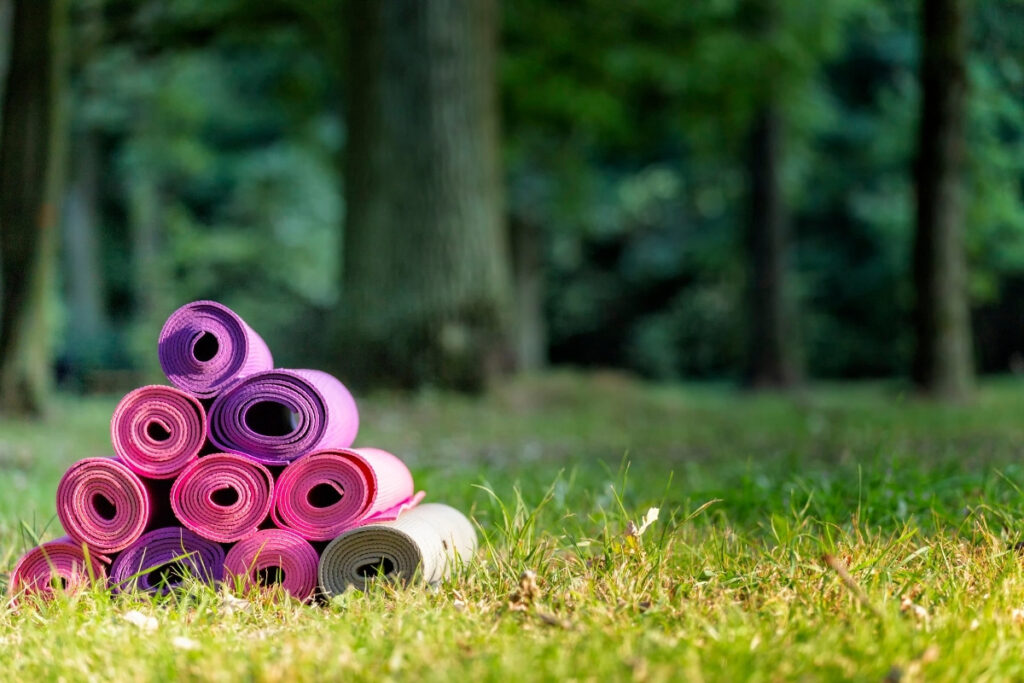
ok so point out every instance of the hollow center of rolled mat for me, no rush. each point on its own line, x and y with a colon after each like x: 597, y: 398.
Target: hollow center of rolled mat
x: 170, y: 574
x: 104, y: 507
x: 157, y: 431
x: 205, y: 348
x: 324, y: 495
x: 58, y: 582
x: 270, y: 418
x: 383, y: 566
x: 268, y: 576
x: 224, y: 497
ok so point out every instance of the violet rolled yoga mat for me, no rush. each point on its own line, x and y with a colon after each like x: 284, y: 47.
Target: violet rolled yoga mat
x: 324, y: 493
x: 223, y: 497
x: 278, y: 415
x: 205, y: 346
x: 60, y: 563
x: 158, y: 430
x: 275, y: 556
x: 162, y: 558
x: 426, y: 541
x: 101, y: 502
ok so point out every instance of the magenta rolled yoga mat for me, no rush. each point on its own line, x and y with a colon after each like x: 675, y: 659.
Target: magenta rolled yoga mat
x: 58, y: 563
x: 204, y: 347
x: 223, y: 497
x: 104, y: 504
x: 158, y: 430
x: 324, y: 493
x: 275, y: 556
x: 279, y: 415
x: 162, y: 558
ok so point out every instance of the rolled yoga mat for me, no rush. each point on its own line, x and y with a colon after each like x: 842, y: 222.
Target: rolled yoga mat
x: 223, y: 497
x: 425, y: 539
x: 275, y: 556
x: 279, y: 415
x: 324, y: 493
x: 158, y: 430
x: 58, y: 563
x: 204, y: 346
x: 162, y: 558
x: 104, y: 504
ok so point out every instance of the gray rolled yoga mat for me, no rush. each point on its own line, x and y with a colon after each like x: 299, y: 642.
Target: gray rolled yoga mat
x: 425, y: 539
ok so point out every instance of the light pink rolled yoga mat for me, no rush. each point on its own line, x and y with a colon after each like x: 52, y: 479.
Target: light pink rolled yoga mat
x: 158, y: 430
x: 326, y: 492
x: 205, y: 346
x: 278, y: 415
x: 104, y: 504
x: 62, y: 563
x: 275, y: 555
x: 223, y: 497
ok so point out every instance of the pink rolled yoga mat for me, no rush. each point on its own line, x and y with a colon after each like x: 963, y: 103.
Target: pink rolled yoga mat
x: 326, y: 492
x: 275, y: 555
x: 204, y: 347
x: 223, y: 497
x: 57, y: 563
x: 104, y: 504
x: 158, y: 430
x: 162, y: 558
x: 279, y: 415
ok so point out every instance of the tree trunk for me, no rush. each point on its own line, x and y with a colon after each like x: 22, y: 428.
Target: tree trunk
x: 943, y: 363
x: 531, y: 338
x: 31, y: 151
x: 426, y: 278
x: 772, y: 338
x: 87, y: 324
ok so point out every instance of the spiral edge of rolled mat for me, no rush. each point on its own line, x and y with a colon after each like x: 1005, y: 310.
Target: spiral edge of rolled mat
x: 61, y: 558
x: 164, y: 407
x: 120, y: 488
x: 180, y: 334
x: 427, y: 541
x: 164, y: 547
x: 163, y: 435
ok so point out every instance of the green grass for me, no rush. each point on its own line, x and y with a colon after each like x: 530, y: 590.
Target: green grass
x: 919, y: 506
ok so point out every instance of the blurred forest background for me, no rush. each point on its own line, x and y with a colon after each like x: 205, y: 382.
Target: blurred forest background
x: 430, y: 193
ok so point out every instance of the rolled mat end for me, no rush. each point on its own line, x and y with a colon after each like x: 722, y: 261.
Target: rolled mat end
x: 426, y: 541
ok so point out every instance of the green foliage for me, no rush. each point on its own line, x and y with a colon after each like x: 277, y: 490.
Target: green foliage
x: 625, y: 127
x: 668, y: 89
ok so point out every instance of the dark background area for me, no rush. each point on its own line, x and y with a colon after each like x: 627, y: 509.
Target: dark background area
x: 416, y: 194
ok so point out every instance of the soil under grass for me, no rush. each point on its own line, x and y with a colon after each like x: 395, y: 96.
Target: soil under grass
x: 848, y: 532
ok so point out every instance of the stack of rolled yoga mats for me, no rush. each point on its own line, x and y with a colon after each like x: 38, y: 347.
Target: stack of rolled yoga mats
x: 241, y: 473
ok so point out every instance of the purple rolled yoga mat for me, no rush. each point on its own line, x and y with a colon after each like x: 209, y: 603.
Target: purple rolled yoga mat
x: 204, y: 347
x: 223, y: 497
x: 157, y: 430
x: 162, y: 558
x: 278, y: 415
x: 104, y: 504
x: 277, y: 555
x: 58, y: 563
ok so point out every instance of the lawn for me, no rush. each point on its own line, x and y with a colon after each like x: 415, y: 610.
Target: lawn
x: 847, y: 532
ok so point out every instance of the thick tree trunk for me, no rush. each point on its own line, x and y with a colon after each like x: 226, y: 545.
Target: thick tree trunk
x: 772, y: 339
x: 426, y: 277
x: 31, y: 150
x: 943, y: 363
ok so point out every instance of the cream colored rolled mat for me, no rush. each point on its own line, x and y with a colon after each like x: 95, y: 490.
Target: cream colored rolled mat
x: 426, y: 539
